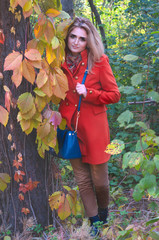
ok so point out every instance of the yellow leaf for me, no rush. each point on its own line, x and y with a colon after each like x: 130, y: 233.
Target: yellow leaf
x: 17, y: 76
x: 50, y: 54
x: 55, y: 100
x: 33, y: 55
x: 13, y: 3
x: 37, y: 117
x: 61, y: 86
x: 49, y: 32
x: 40, y: 103
x: 50, y: 139
x: 4, y: 115
x: 64, y: 210
x: 55, y: 199
x: 4, y: 179
x: 30, y: 129
x: 12, y: 30
x: 55, y: 42
x: 32, y: 44
x: 12, y: 61
x: 72, y: 198
x: 62, y: 28
x: 25, y: 102
x: 62, y: 124
x: 22, y: 2
x: 52, y: 79
x: 38, y: 30
x: 39, y: 92
x: 28, y: 115
x: 43, y: 130
x: 25, y: 124
x: 41, y: 19
x: 42, y: 78
x: 47, y: 88
x: 79, y: 208
x: 52, y: 12
x: 28, y: 71
x: 36, y: 8
x: 27, y: 6
x: 35, y: 64
x: 115, y: 147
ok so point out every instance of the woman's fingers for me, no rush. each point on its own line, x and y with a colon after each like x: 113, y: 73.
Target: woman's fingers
x: 81, y: 89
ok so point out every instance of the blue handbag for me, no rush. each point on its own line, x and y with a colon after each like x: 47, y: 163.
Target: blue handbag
x: 67, y: 139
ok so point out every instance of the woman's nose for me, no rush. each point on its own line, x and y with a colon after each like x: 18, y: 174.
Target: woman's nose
x: 76, y: 41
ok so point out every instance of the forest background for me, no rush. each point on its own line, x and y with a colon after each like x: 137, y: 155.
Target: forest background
x: 129, y: 30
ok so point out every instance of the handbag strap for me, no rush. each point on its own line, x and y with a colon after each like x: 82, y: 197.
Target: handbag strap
x: 83, y: 81
x: 80, y: 98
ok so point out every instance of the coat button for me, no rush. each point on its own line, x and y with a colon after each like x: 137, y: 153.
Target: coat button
x: 67, y: 104
x: 76, y: 77
x: 82, y: 64
x: 90, y: 91
x: 75, y: 105
x: 74, y: 91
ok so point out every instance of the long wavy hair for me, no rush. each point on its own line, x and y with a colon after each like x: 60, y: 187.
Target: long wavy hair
x: 94, y: 43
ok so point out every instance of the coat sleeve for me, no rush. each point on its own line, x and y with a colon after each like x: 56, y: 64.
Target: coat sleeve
x: 109, y: 92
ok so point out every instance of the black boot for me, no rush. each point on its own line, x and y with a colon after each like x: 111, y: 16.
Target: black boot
x: 103, y: 214
x: 94, y: 229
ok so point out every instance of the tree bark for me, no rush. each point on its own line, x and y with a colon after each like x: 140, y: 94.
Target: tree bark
x: 67, y: 6
x: 33, y: 165
x: 98, y: 20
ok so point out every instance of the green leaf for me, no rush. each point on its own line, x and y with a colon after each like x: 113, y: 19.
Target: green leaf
x: 64, y: 15
x: 138, y: 192
x: 154, y: 96
x: 156, y: 139
x: 39, y: 92
x: 126, y: 89
x: 125, y: 117
x: 152, y: 221
x: 142, y: 124
x: 139, y: 148
x: 136, y: 79
x: 7, y: 238
x: 154, y: 235
x: 156, y: 160
x: 132, y: 159
x: 149, y: 181
x: 132, y: 125
x: 25, y: 102
x: 130, y: 57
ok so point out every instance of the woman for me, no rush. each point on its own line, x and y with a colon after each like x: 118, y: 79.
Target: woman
x: 84, y: 47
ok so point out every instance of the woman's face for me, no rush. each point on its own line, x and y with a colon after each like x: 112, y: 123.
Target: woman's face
x: 77, y: 40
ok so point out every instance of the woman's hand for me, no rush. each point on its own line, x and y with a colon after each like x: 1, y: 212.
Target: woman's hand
x: 81, y: 89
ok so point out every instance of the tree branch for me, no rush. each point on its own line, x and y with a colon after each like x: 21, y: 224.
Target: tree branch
x: 98, y: 20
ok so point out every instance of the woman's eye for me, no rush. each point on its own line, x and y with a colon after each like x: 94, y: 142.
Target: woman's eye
x: 83, y: 39
x: 72, y: 36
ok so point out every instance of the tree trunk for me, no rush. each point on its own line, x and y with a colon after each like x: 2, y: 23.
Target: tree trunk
x: 98, y: 20
x: 67, y: 6
x: 34, y: 167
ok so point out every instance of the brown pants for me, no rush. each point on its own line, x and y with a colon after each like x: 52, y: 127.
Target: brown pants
x: 93, y: 185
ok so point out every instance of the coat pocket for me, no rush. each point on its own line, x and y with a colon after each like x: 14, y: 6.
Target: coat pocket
x: 97, y: 109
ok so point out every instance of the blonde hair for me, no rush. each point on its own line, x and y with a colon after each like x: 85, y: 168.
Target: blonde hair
x: 94, y: 43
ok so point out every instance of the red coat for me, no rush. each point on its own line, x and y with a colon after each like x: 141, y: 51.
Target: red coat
x: 93, y: 129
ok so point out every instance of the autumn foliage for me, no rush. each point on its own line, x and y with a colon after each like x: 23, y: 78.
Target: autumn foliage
x: 40, y: 65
